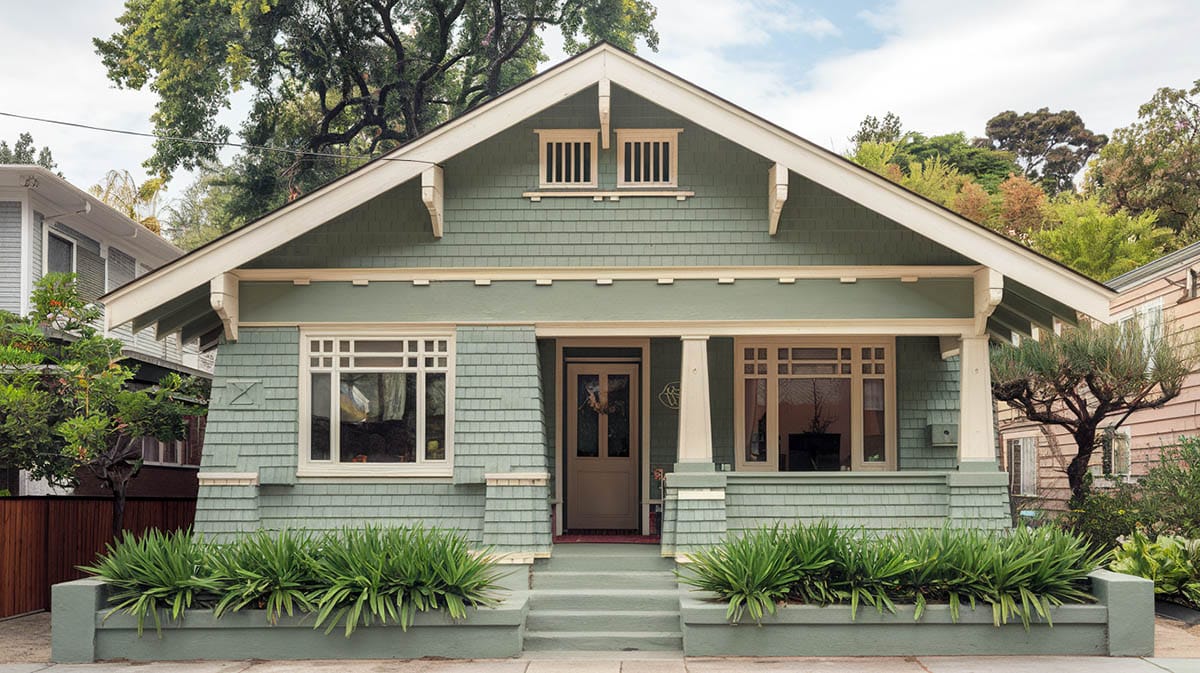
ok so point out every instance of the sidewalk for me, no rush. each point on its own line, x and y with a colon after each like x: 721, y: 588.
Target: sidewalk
x: 656, y: 665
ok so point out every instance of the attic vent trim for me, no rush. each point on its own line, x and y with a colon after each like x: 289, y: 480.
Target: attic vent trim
x: 567, y: 157
x: 648, y: 157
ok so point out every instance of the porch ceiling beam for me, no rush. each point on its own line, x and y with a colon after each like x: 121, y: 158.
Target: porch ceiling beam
x: 989, y: 291
x: 777, y: 194
x: 173, y: 321
x: 605, y: 109
x: 148, y: 318
x: 200, y: 327
x: 902, y: 273
x: 1013, y: 321
x: 432, y: 182
x: 223, y: 295
x: 1058, y: 309
x: 1034, y: 313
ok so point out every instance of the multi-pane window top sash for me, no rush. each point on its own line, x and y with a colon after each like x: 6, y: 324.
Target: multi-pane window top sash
x: 376, y: 405
x: 567, y: 157
x: 648, y: 157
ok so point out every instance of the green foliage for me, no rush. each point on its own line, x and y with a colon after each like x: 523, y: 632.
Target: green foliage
x: 24, y: 152
x: 986, y: 166
x: 1170, y: 491
x: 352, y: 577
x: 1104, y: 516
x: 1051, y: 146
x: 1085, y: 375
x: 1151, y: 164
x: 64, y: 397
x: 337, y: 77
x: 1173, y: 563
x: 154, y: 574
x: 1098, y: 243
x: 1020, y: 574
x: 875, y: 130
x: 268, y: 571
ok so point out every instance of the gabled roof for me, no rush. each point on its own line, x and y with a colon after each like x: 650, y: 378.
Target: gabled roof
x: 606, y: 62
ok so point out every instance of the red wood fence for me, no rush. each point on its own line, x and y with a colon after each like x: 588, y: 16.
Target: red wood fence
x: 42, y: 539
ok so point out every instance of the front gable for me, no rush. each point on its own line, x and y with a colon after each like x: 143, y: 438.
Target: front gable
x: 492, y: 222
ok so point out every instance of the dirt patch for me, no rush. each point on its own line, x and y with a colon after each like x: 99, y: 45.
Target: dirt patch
x: 1173, y: 639
x: 25, y: 639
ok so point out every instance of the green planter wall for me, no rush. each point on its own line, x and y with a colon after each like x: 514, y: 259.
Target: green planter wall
x: 80, y: 633
x: 1121, y: 623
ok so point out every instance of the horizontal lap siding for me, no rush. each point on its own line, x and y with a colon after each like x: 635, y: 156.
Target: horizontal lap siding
x: 489, y: 223
x: 874, y: 507
x: 10, y: 256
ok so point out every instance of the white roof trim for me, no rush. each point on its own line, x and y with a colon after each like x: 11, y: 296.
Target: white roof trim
x: 648, y: 81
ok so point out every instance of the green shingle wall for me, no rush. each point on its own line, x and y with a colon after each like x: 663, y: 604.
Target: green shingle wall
x: 488, y: 223
x: 517, y: 519
x: 897, y: 502
x: 498, y: 421
x: 698, y: 524
x: 926, y: 393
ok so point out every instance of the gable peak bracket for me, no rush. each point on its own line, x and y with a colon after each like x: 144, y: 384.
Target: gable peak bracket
x: 432, y: 187
x: 605, y: 99
x: 989, y: 292
x: 777, y: 194
x: 223, y: 296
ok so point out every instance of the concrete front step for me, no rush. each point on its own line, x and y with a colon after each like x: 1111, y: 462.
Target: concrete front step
x: 612, y: 641
x: 592, y: 620
x: 590, y: 579
x: 603, y: 562
x: 604, y: 599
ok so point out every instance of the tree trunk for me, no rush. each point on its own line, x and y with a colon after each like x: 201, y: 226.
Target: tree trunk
x: 1085, y: 444
x: 118, y: 517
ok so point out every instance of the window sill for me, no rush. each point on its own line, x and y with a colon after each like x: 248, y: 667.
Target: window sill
x: 608, y: 195
x: 359, y: 471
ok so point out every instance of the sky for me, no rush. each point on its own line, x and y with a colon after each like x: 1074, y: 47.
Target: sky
x: 815, y: 67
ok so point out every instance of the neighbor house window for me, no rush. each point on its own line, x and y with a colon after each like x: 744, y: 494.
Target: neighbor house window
x: 1114, y: 457
x: 1023, y: 465
x: 1149, y: 317
x: 157, y: 452
x: 1193, y: 284
x: 60, y: 254
x: 815, y: 406
x: 377, y: 404
x: 567, y: 157
x: 647, y: 157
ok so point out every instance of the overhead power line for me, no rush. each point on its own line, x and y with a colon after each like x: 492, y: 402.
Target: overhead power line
x: 217, y: 143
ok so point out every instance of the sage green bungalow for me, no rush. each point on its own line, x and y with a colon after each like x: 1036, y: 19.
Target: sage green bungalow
x: 605, y: 302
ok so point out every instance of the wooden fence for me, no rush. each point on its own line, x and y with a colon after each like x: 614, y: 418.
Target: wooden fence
x: 42, y: 539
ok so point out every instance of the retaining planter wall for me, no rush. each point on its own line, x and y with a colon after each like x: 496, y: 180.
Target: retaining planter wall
x: 1121, y: 623
x: 81, y: 634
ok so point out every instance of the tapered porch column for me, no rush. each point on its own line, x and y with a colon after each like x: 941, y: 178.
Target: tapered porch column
x: 695, y: 416
x: 694, y: 498
x: 976, y: 441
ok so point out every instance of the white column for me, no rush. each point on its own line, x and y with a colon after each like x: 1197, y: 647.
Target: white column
x: 976, y: 442
x: 695, y: 417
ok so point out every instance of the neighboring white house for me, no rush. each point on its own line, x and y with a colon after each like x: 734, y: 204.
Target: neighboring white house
x: 47, y: 225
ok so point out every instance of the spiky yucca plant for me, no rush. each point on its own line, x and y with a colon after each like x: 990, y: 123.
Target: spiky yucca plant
x: 270, y: 571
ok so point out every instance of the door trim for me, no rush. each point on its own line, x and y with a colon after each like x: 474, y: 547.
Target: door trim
x: 560, y: 431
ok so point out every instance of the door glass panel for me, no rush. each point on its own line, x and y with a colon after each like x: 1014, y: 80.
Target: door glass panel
x: 587, y: 419
x: 814, y: 424
x: 617, y: 409
x: 756, y: 420
x: 378, y: 417
x: 874, y: 416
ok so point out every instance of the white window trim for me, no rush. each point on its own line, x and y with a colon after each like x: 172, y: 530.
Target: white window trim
x: 310, y: 468
x: 1037, y: 474
x: 771, y: 464
x: 46, y: 234
x: 591, y: 136
x: 653, y: 135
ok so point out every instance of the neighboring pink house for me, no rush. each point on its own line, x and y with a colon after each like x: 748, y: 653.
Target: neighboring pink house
x: 1162, y: 294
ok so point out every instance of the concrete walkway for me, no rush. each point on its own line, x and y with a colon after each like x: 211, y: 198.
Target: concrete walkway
x: 659, y: 664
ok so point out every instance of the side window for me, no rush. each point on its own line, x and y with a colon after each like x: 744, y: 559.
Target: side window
x: 1114, y: 458
x: 1023, y: 465
x: 60, y: 254
x: 1149, y: 317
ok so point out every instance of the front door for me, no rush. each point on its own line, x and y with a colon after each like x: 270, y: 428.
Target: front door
x: 602, y: 446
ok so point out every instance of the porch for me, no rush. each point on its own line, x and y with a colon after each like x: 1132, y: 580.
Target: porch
x: 693, y: 436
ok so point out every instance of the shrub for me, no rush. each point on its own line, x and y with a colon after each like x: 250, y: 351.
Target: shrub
x: 1021, y: 574
x: 1172, y: 562
x: 1170, y: 492
x: 1104, y: 517
x: 351, y: 577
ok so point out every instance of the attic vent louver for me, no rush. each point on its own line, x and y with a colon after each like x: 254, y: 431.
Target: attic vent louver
x: 567, y: 158
x: 647, y: 157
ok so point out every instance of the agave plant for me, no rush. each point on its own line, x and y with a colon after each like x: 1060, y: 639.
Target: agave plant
x: 155, y: 572
x: 269, y: 571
